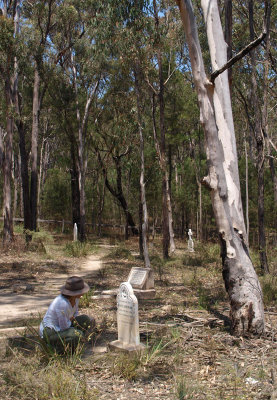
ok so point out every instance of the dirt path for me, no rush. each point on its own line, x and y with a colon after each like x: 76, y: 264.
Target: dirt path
x: 14, y: 307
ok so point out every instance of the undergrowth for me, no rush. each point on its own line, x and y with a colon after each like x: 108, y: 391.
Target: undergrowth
x: 86, y: 300
x: 79, y: 249
x: 29, y: 378
x: 119, y: 253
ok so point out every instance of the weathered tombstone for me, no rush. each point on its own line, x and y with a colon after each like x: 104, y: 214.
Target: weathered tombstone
x: 142, y: 281
x: 127, y: 321
x: 190, y: 242
x: 75, y: 233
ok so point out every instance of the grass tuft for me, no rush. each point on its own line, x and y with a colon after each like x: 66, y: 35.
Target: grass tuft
x: 79, y: 249
x: 269, y: 286
x: 27, y: 378
x: 86, y: 299
x: 120, y: 253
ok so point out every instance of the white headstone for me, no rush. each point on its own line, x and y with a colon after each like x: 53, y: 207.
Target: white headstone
x: 75, y: 233
x: 137, y: 277
x: 190, y: 242
x: 127, y: 320
x: 142, y: 281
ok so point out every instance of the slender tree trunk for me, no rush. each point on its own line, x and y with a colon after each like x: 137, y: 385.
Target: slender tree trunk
x: 167, y: 221
x: 7, y: 171
x: 241, y: 282
x: 167, y: 225
x: 246, y: 191
x: 24, y: 177
x: 10, y: 91
x: 75, y: 193
x: 101, y: 196
x: 41, y: 169
x: 143, y: 205
x: 34, y: 149
x: 228, y: 36
x: 260, y: 143
x: 273, y: 177
x: 82, y: 155
x: 200, y: 210
x: 265, y: 117
x: 118, y: 192
x: 127, y: 198
x: 16, y: 181
x: 81, y: 181
x: 2, y: 151
x: 21, y: 207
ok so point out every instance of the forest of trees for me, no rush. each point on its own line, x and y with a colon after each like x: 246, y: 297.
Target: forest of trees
x: 100, y: 123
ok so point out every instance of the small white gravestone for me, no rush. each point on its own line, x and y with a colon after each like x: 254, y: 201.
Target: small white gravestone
x: 75, y: 233
x: 190, y: 242
x: 127, y: 320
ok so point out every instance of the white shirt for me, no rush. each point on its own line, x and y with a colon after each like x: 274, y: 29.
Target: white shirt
x: 59, y: 314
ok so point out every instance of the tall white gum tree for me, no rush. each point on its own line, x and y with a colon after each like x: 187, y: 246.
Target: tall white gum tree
x: 241, y: 281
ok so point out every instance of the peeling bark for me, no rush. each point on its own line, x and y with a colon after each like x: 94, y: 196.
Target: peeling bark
x: 241, y: 282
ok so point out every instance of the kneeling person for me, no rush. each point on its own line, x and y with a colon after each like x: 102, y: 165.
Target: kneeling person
x: 61, y: 326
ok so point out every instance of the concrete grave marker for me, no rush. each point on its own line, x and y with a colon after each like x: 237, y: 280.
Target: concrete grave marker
x: 190, y: 242
x: 127, y: 320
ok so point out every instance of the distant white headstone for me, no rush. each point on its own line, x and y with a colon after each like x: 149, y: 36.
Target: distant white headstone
x: 190, y: 242
x: 127, y: 320
x: 75, y: 233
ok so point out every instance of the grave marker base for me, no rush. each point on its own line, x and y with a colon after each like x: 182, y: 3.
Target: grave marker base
x: 117, y: 345
x: 145, y: 294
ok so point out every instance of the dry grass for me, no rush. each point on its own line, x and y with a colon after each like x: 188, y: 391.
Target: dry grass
x: 190, y: 352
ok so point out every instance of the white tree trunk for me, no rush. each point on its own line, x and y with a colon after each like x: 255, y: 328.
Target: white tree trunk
x: 241, y: 282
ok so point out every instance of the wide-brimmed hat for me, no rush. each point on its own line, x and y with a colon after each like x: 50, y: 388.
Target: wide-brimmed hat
x: 74, y: 286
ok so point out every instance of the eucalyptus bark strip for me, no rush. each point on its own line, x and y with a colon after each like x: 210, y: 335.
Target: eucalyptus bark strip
x: 241, y: 282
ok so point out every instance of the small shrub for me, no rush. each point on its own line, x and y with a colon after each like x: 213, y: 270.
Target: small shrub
x: 183, y: 391
x: 41, y: 236
x: 203, y: 298
x: 36, y: 241
x: 120, y: 253
x: 157, y: 264
x: 18, y: 228
x: 26, y: 378
x: 193, y: 261
x: 127, y: 366
x: 269, y: 286
x: 78, y: 249
x: 86, y: 299
x: 255, y: 258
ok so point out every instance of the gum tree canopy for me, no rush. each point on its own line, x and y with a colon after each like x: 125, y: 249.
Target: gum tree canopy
x: 241, y: 281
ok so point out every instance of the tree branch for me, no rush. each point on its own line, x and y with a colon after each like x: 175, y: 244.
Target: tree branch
x: 272, y: 144
x: 249, y: 47
x: 238, y: 56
